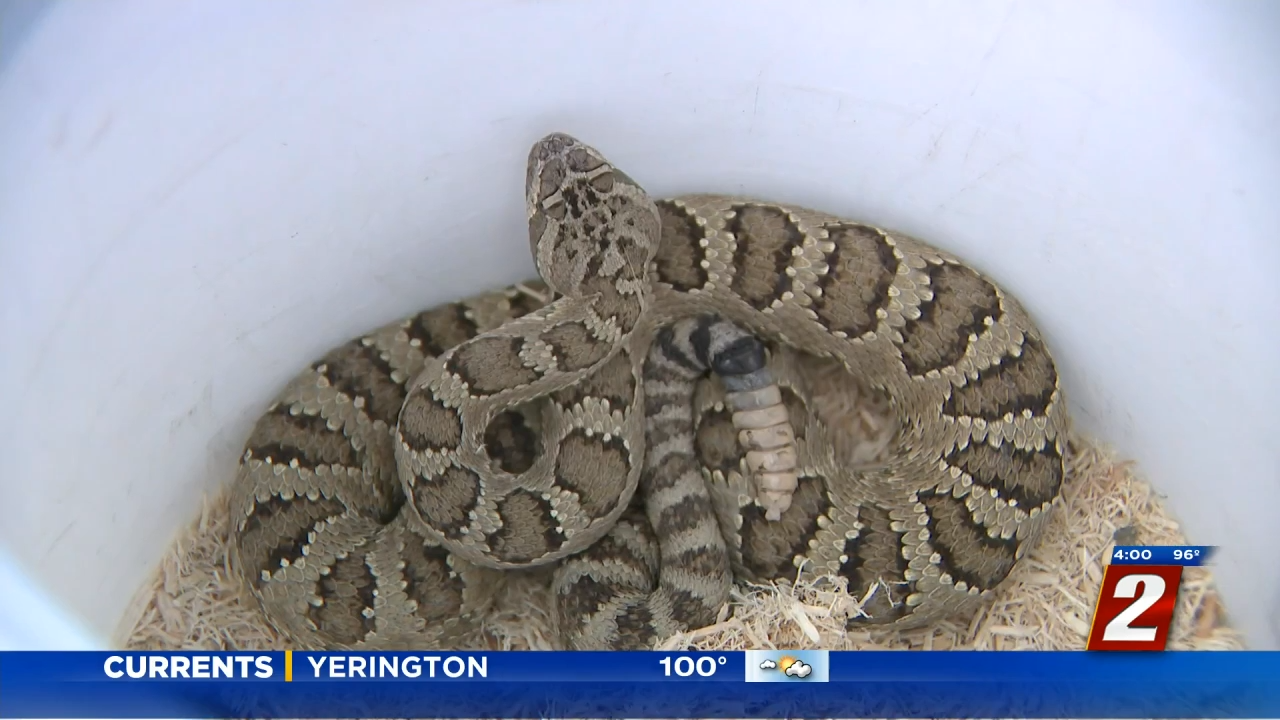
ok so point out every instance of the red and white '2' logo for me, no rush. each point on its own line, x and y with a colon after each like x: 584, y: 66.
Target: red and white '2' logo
x: 1135, y: 607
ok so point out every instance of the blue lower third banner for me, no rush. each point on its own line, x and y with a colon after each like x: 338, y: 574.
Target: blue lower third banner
x: 753, y: 684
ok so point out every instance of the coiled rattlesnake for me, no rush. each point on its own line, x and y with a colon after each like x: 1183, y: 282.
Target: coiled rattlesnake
x: 392, y: 482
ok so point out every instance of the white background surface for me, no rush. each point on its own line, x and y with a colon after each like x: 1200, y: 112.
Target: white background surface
x: 196, y: 198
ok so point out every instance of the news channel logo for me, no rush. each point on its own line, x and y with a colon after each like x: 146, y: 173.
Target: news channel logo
x: 803, y: 666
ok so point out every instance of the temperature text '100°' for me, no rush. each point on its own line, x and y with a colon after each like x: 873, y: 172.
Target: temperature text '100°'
x: 685, y: 666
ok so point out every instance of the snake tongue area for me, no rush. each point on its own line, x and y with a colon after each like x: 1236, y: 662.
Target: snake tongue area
x: 665, y: 410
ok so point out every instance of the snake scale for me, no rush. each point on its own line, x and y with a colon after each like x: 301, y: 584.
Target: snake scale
x: 591, y: 422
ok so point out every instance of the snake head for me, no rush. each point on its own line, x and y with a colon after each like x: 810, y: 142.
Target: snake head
x: 586, y: 217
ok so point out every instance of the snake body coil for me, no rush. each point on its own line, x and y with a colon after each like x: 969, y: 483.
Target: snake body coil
x: 645, y: 420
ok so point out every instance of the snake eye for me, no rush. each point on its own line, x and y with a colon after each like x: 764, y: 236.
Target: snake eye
x: 602, y: 182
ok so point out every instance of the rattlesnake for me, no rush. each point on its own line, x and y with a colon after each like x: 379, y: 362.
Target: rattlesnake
x: 383, y: 497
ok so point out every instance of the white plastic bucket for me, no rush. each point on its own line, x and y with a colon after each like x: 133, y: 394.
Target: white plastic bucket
x: 198, y: 198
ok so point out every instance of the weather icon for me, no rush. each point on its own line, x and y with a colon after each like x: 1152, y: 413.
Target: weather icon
x: 796, y: 665
x: 796, y: 668
x: 791, y: 667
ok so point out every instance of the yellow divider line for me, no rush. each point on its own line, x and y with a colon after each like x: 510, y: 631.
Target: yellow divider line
x: 288, y: 666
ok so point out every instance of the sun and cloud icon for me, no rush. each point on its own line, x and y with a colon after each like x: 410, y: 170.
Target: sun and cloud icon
x: 789, y: 666
x: 807, y: 666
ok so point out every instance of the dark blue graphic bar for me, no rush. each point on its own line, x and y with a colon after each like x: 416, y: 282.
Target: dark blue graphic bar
x: 757, y: 684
